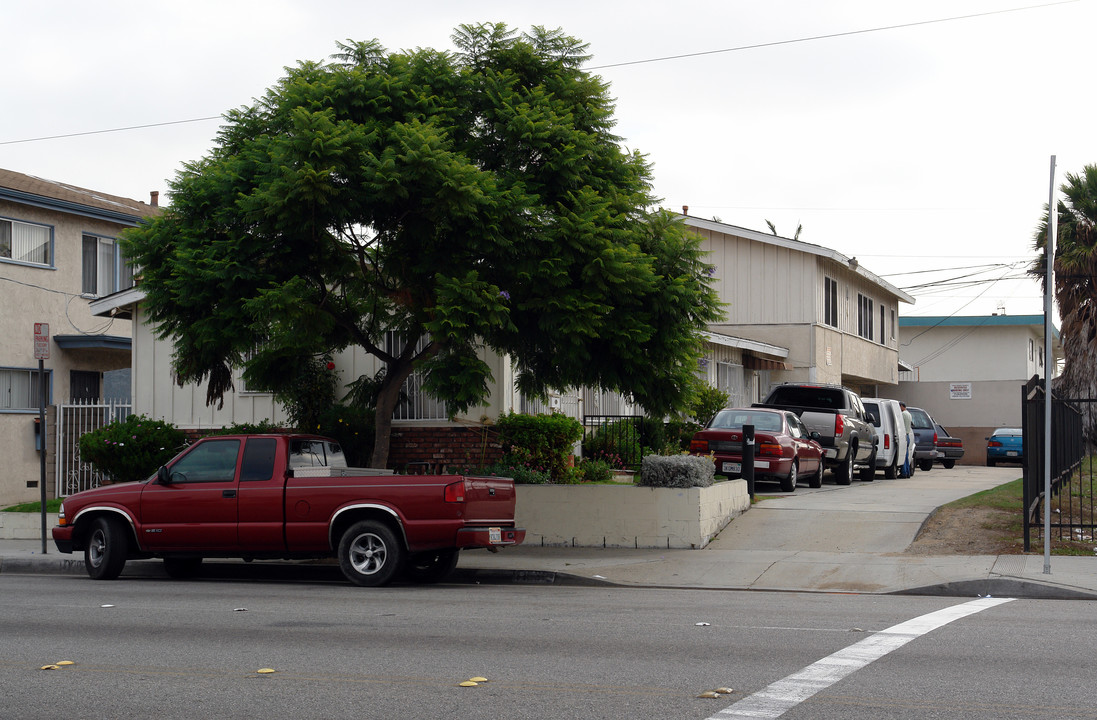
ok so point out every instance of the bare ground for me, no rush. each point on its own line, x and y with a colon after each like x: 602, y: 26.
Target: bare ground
x: 968, y: 531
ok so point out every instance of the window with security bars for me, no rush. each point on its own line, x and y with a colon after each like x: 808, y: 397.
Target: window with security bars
x: 415, y: 403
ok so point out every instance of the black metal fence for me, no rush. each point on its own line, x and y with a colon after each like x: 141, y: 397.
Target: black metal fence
x: 1067, y: 452
x: 616, y: 438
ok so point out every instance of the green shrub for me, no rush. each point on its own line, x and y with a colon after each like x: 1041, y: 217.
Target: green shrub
x: 677, y: 471
x: 707, y: 401
x: 679, y: 433
x: 540, y: 442
x: 131, y: 449
x: 352, y: 427
x: 522, y: 474
x: 259, y: 428
x: 594, y: 471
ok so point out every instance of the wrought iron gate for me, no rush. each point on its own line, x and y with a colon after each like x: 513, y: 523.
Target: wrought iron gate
x: 73, y: 421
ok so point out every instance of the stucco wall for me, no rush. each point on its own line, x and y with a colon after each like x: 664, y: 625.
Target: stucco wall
x: 626, y: 515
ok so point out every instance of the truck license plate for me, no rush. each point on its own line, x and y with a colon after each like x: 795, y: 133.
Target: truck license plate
x: 732, y: 467
x: 495, y: 535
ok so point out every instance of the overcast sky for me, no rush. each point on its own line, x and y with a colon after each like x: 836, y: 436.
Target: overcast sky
x: 914, y: 136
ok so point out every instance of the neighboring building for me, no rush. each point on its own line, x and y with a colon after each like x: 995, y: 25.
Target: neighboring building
x: 57, y: 255
x: 798, y: 312
x: 967, y: 371
x: 795, y: 311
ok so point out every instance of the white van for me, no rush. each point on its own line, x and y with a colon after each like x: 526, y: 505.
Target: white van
x: 891, y: 444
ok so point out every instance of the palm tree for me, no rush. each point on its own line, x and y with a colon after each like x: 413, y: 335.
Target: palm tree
x: 773, y: 229
x: 1075, y: 288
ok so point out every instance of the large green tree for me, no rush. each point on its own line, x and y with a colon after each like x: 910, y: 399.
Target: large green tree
x: 464, y: 201
x: 1075, y: 276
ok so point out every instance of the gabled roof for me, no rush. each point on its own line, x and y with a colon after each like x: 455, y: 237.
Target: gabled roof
x: 62, y: 197
x: 817, y: 250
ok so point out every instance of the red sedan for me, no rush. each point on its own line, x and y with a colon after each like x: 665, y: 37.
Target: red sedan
x: 783, y: 447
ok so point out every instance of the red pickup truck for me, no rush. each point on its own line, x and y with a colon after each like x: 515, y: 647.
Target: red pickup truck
x: 284, y: 497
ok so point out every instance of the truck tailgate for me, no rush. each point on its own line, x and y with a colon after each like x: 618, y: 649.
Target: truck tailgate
x: 489, y: 500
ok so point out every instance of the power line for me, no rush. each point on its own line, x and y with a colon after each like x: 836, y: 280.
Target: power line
x: 111, y: 130
x: 638, y: 62
x: 776, y: 43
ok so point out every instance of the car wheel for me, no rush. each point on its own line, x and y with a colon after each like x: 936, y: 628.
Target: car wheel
x: 892, y: 470
x: 106, y: 550
x: 816, y: 479
x: 431, y: 567
x: 948, y: 464
x: 788, y: 484
x: 925, y: 465
x: 843, y: 474
x: 369, y: 554
x: 182, y: 568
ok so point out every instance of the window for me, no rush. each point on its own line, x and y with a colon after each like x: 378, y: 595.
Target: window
x: 258, y: 464
x: 882, y: 326
x: 19, y: 389
x: 26, y: 243
x: 212, y: 461
x: 830, y: 302
x: 864, y: 316
x: 892, y: 324
x: 104, y: 270
x: 415, y: 403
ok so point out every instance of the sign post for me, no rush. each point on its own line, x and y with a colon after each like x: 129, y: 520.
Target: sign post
x: 41, y: 353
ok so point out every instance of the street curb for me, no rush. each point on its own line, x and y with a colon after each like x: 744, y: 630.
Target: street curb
x: 1001, y: 587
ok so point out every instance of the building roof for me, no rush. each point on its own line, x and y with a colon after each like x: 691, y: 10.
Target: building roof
x: 800, y: 246
x: 53, y: 195
x: 932, y: 321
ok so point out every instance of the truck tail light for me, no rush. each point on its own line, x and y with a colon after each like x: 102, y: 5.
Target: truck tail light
x: 935, y: 437
x: 698, y: 446
x: 887, y: 441
x: 455, y: 492
x: 839, y: 425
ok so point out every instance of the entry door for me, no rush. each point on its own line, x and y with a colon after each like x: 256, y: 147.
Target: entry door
x: 83, y: 385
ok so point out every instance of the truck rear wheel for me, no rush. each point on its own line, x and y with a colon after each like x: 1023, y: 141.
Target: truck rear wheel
x: 431, y: 567
x: 868, y: 473
x: 106, y: 550
x: 843, y: 474
x: 369, y: 553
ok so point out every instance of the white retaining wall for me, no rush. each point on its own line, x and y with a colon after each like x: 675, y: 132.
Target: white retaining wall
x: 626, y: 515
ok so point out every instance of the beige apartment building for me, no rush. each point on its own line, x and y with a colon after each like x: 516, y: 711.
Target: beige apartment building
x: 57, y: 255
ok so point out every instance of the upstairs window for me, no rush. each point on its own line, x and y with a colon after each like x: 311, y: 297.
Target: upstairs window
x: 20, y: 389
x: 104, y: 270
x: 864, y: 316
x: 830, y: 302
x: 26, y: 243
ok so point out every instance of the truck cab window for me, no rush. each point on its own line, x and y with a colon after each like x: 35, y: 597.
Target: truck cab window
x: 213, y: 461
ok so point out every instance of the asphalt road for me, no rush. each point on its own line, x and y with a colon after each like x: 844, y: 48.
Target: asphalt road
x: 146, y: 647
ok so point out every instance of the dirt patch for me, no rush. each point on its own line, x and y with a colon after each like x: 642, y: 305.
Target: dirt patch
x: 968, y: 531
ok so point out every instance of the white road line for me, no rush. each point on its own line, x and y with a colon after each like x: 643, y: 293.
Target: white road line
x: 776, y: 699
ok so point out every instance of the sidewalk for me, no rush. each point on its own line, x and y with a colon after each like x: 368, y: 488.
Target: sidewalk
x: 834, y: 540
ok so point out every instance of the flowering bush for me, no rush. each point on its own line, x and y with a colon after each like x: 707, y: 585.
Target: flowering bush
x: 521, y: 474
x: 595, y: 471
x: 540, y: 442
x: 131, y: 449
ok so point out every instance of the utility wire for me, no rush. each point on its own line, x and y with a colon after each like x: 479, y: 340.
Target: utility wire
x: 830, y: 35
x: 632, y: 62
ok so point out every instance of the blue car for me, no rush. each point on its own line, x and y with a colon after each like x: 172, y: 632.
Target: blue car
x: 1004, y: 445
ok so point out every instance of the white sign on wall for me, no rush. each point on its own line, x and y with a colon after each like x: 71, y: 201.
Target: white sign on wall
x: 959, y: 391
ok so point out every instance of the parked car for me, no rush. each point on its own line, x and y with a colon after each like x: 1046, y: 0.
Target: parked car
x: 837, y: 414
x: 925, y: 438
x: 949, y: 449
x: 784, y: 449
x: 891, y: 437
x: 1005, y: 445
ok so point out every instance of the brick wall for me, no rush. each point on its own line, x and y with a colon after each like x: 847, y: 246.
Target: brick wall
x: 439, y: 447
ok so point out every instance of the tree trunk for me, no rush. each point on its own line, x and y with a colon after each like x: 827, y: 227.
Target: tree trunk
x: 387, y: 398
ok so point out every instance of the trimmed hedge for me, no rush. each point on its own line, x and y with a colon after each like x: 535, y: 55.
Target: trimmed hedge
x: 677, y: 471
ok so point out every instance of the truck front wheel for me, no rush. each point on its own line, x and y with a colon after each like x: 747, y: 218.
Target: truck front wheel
x: 106, y: 550
x: 369, y: 553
